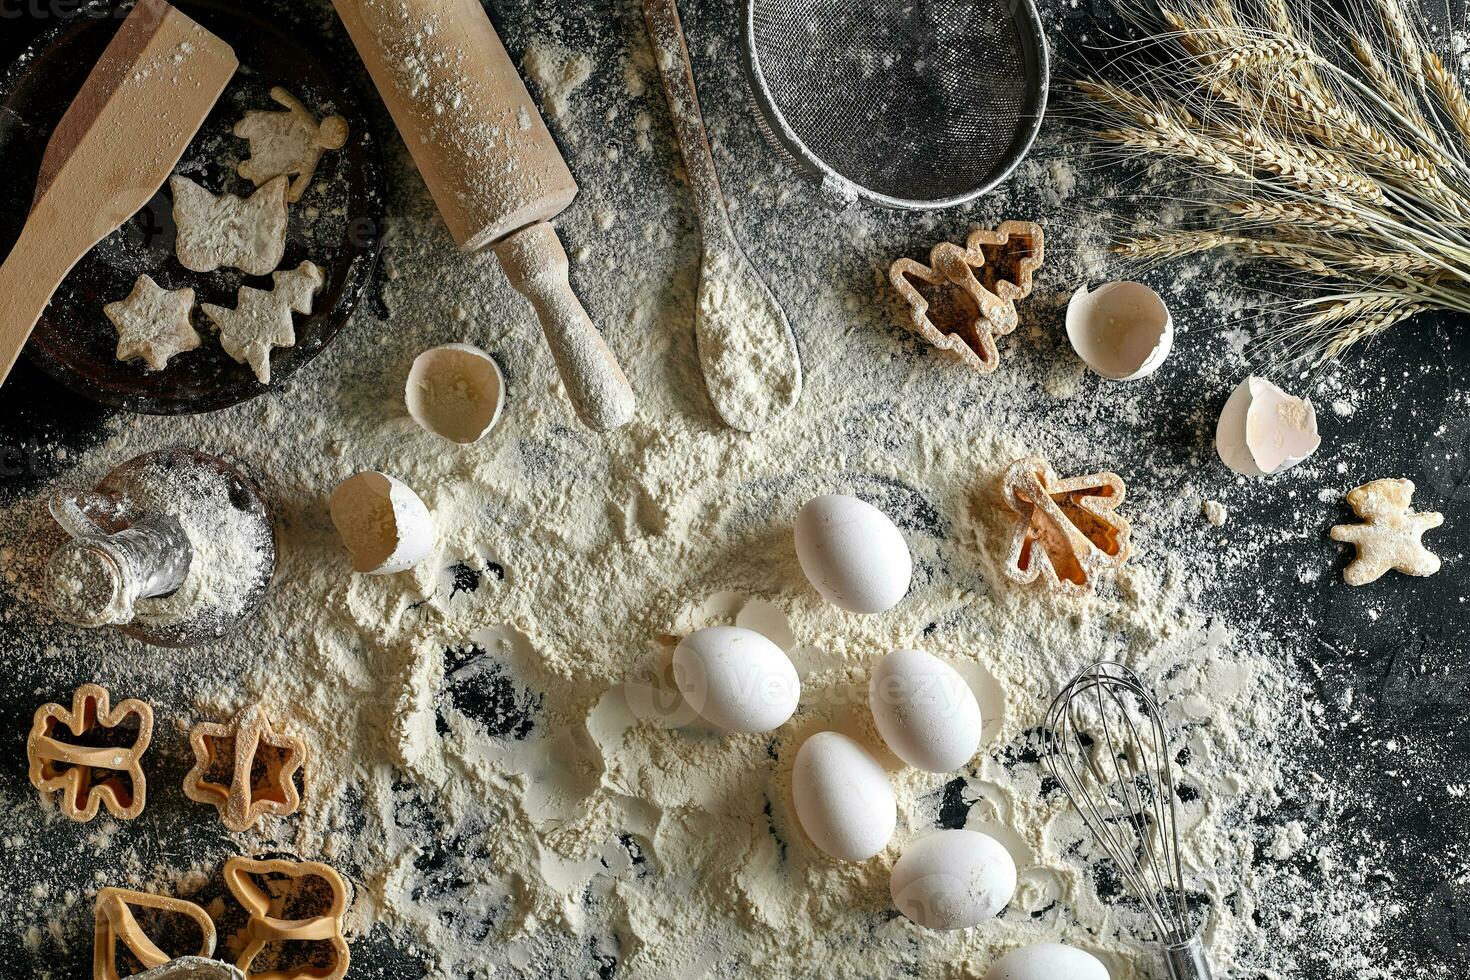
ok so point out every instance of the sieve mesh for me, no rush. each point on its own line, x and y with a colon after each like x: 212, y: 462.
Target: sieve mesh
x: 916, y: 103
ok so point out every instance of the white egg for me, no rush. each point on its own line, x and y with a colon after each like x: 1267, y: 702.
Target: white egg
x: 1121, y: 330
x: 925, y: 711
x: 455, y: 391
x: 1048, y: 961
x: 843, y: 798
x: 382, y: 522
x: 852, y: 553
x: 1263, y: 430
x: 953, y: 879
x: 736, y: 678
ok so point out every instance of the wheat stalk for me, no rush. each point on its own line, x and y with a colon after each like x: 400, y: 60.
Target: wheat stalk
x: 1337, y: 156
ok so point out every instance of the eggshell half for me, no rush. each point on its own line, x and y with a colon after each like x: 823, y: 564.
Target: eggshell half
x: 1263, y: 430
x: 1048, y: 961
x: 455, y: 391
x: 953, y: 879
x: 925, y: 711
x: 382, y: 522
x: 1121, y: 330
x: 736, y: 679
x: 852, y: 553
x: 843, y: 798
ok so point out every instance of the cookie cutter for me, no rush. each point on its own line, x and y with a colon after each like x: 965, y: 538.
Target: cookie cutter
x: 972, y: 291
x: 244, y: 800
x: 1065, y: 531
x: 264, y: 928
x: 116, y: 923
x: 72, y: 769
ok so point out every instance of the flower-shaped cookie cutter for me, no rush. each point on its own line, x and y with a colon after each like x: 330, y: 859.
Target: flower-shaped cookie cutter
x: 966, y: 297
x: 116, y: 923
x: 261, y: 783
x: 266, y: 925
x: 1065, y: 531
x: 80, y: 772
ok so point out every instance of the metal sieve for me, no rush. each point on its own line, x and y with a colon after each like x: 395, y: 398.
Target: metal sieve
x: 909, y: 103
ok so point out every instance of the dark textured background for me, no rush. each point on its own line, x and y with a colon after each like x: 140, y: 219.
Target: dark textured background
x: 1388, y: 752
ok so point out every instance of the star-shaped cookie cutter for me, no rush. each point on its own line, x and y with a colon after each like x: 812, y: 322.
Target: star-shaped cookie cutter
x: 1065, y: 531
x: 116, y: 923
x: 266, y: 926
x: 966, y: 297
x: 260, y: 785
x: 73, y: 769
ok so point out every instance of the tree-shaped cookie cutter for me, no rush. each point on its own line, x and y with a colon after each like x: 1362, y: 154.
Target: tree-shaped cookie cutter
x: 966, y: 297
x: 263, y: 927
x: 258, y: 786
x: 116, y: 923
x: 72, y: 769
x: 1065, y: 531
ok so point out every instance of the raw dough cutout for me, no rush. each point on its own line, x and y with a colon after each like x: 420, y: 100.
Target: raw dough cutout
x: 245, y: 769
x: 153, y: 323
x: 1065, y: 531
x: 289, y: 143
x: 1390, y: 537
x: 116, y: 922
x: 92, y: 767
x: 245, y: 234
x: 261, y: 318
x: 304, y: 903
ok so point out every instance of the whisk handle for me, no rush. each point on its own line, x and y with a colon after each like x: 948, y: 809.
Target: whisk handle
x: 1187, y: 960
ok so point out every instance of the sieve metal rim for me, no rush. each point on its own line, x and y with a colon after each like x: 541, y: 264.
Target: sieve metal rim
x: 773, y: 121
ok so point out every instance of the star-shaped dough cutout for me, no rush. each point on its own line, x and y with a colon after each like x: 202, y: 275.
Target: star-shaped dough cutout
x: 1391, y: 535
x: 248, y: 234
x: 261, y: 319
x: 245, y: 769
x: 287, y: 143
x: 153, y: 323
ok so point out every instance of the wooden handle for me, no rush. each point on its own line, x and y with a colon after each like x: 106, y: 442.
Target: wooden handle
x: 464, y: 113
x: 536, y: 265
x: 671, y: 53
x: 28, y: 278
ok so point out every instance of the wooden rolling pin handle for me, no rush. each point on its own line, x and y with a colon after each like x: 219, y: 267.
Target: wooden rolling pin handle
x: 536, y: 265
x: 28, y: 278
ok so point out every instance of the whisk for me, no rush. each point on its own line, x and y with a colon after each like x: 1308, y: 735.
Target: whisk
x: 1109, y: 750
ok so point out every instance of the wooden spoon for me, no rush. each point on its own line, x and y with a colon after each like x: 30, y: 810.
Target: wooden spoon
x: 746, y: 348
x: 113, y: 149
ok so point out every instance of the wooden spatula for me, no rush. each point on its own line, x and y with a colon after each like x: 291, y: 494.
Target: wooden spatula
x: 111, y: 152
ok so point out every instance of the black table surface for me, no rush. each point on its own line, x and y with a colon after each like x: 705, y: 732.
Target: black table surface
x: 1403, y: 656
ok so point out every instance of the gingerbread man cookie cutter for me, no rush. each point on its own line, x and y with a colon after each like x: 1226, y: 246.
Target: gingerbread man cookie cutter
x: 260, y: 784
x: 265, y: 925
x: 966, y: 297
x: 1065, y: 531
x: 73, y: 769
x: 116, y: 923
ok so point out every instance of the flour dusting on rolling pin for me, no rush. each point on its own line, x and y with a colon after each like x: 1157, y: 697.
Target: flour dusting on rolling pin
x: 492, y: 167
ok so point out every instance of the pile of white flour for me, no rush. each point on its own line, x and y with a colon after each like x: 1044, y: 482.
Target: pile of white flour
x: 583, y: 821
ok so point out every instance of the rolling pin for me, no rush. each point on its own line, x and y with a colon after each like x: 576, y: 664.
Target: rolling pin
x: 492, y: 167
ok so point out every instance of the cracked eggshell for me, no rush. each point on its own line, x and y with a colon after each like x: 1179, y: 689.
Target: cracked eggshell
x: 455, y: 391
x: 1263, y: 430
x: 382, y: 522
x: 1121, y: 330
x: 852, y: 553
x: 1048, y: 961
x: 843, y: 798
x: 953, y: 879
x: 924, y: 710
x: 736, y: 679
